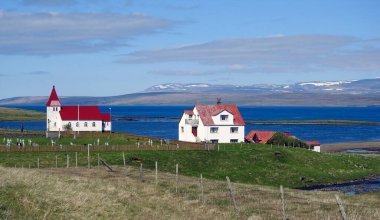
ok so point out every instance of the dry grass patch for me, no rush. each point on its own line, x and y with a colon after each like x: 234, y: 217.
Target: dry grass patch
x: 79, y: 193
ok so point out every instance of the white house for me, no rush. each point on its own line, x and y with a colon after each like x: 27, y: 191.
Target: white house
x: 79, y: 118
x: 219, y: 123
x: 314, y: 145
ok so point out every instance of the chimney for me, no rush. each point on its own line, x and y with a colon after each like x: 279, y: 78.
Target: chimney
x: 219, y: 101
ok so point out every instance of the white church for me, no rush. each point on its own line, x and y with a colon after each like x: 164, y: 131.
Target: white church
x: 76, y: 118
x: 219, y: 123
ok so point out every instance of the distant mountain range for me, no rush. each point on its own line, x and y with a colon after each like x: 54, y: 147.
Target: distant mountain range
x: 365, y: 92
x: 355, y: 87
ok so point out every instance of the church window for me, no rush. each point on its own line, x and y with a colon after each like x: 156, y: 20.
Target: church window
x: 93, y: 124
x: 85, y: 124
x: 77, y: 124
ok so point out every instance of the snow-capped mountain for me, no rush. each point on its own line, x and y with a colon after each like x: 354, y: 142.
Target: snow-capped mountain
x: 332, y: 93
x: 365, y: 86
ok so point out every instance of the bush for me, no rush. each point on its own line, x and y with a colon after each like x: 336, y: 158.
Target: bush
x: 67, y: 127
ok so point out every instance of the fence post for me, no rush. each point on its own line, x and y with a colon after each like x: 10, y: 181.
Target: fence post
x: 56, y: 161
x: 156, y: 173
x: 124, y: 160
x: 141, y: 173
x: 29, y: 165
x: 176, y: 178
x: 218, y: 147
x: 88, y: 156
x: 76, y: 159
x: 283, y: 203
x: 232, y: 194
x: 202, y: 193
x: 341, y: 208
x: 38, y: 163
x: 98, y: 161
x: 67, y: 161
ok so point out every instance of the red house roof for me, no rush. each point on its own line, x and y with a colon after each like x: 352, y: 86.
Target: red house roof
x: 106, y: 117
x: 313, y: 143
x: 189, y: 112
x: 84, y: 113
x: 261, y: 137
x: 53, y: 99
x: 207, y: 111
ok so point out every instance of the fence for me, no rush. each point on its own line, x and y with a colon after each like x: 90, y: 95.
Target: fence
x: 105, y: 148
x: 242, y: 200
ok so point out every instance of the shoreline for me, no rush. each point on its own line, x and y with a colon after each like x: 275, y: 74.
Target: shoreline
x: 313, y: 122
x: 337, y: 147
x: 338, y: 186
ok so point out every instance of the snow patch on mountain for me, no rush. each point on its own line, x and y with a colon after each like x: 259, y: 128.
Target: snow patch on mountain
x: 334, y: 83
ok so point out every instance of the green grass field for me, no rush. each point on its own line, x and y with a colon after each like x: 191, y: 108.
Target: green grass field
x: 246, y: 163
x: 15, y: 114
x: 81, y: 193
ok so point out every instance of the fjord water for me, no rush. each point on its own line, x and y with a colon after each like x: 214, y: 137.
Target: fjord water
x: 162, y: 121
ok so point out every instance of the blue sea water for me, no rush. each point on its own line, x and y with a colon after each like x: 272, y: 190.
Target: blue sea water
x: 162, y: 121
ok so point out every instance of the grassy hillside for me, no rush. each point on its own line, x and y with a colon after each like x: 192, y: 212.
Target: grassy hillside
x: 15, y: 114
x: 253, y: 164
x: 79, y: 193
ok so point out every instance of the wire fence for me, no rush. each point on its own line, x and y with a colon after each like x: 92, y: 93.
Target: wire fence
x: 241, y: 199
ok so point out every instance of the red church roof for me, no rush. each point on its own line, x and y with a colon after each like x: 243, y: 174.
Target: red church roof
x: 207, y: 111
x: 71, y: 113
x: 53, y: 99
x: 262, y: 137
x: 106, y: 117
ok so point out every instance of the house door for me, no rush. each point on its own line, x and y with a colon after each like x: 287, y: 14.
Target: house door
x: 194, y: 130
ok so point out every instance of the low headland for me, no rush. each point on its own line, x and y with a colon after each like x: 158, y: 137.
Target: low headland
x: 16, y: 114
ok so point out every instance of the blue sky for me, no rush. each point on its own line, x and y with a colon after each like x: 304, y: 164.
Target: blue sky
x: 101, y: 48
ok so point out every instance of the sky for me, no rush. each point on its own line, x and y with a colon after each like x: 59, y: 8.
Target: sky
x: 103, y: 48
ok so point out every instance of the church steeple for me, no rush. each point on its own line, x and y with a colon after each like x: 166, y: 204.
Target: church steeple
x: 53, y: 99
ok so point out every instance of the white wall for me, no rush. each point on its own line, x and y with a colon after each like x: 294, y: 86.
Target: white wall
x: 53, y: 118
x: 98, y: 125
x: 187, y: 134
x: 224, y: 134
x: 317, y: 148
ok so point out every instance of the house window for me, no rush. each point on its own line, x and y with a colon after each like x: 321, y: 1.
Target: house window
x: 55, y: 124
x: 234, y: 129
x: 85, y: 124
x: 69, y: 124
x: 214, y: 130
x: 234, y: 140
x: 93, y: 124
x: 214, y: 141
x: 77, y: 124
x: 190, y: 116
x: 182, y: 129
x: 224, y: 117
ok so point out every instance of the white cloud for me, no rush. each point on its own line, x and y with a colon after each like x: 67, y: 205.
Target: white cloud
x: 62, y: 33
x: 275, y: 54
